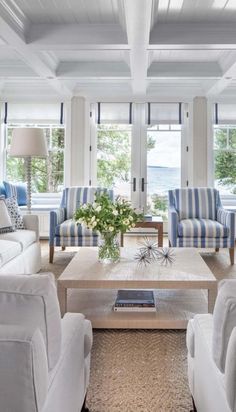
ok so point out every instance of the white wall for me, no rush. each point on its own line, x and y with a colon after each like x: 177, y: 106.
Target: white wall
x: 78, y: 140
x: 200, y: 145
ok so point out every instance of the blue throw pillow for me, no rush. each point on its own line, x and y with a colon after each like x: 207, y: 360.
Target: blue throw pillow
x: 17, y: 190
x: 2, y: 190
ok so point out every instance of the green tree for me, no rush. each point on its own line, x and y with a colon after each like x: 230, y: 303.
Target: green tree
x: 225, y: 158
x: 47, y: 174
x: 114, y: 155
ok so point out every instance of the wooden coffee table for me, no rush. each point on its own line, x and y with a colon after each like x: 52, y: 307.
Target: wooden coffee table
x: 179, y: 289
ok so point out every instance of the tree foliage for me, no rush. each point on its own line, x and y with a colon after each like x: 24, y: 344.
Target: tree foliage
x: 225, y: 158
x: 47, y: 174
x: 114, y: 155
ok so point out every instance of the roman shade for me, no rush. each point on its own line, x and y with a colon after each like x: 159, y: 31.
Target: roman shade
x: 163, y: 113
x: 224, y: 113
x: 33, y: 113
x: 114, y: 113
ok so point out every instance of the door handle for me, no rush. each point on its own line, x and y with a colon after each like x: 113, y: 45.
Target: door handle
x: 134, y: 184
x: 142, y: 184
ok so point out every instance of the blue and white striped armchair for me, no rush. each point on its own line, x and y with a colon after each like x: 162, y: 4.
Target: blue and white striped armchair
x: 197, y: 219
x: 64, y: 231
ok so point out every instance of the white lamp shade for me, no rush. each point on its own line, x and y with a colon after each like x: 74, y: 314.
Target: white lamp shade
x: 28, y: 142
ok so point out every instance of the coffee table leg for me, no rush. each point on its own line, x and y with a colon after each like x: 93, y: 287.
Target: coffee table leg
x: 211, y: 299
x: 62, y: 297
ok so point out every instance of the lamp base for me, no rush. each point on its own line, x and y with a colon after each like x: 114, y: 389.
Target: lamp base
x: 28, y: 173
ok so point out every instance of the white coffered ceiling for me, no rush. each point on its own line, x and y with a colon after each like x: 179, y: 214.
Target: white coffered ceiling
x: 117, y: 49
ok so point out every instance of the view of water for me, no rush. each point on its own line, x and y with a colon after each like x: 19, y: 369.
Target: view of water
x: 162, y: 179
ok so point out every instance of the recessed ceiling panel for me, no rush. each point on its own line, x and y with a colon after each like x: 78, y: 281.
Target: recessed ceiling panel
x: 71, y: 11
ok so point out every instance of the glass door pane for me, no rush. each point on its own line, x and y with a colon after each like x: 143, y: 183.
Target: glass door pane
x: 163, y: 166
x: 114, y: 158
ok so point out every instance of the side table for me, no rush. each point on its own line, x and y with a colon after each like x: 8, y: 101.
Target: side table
x: 155, y: 222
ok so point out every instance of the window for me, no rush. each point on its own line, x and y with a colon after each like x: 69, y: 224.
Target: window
x: 163, y: 166
x: 225, y: 159
x: 47, y: 174
x: 114, y: 157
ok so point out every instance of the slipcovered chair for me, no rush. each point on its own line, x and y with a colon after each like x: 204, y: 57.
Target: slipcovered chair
x: 44, y: 360
x: 63, y: 230
x: 197, y: 219
x: 211, y: 343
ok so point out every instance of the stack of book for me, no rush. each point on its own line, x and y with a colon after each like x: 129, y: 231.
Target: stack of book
x: 135, y: 301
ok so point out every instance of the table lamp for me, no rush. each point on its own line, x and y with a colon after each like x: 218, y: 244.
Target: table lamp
x: 28, y: 142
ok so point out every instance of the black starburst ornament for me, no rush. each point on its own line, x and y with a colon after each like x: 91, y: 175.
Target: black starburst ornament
x: 149, y: 247
x: 166, y: 256
x: 143, y: 259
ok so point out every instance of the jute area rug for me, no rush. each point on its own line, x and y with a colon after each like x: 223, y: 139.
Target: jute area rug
x: 139, y: 370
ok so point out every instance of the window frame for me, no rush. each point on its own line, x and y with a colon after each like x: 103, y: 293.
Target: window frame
x: 50, y: 149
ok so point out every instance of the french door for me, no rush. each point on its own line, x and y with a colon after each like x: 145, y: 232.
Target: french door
x: 141, y: 163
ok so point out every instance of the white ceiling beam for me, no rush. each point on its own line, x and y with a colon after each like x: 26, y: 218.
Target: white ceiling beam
x: 195, y: 70
x: 85, y: 69
x: 76, y: 36
x: 229, y: 74
x: 193, y: 36
x: 138, y: 24
x: 17, y: 42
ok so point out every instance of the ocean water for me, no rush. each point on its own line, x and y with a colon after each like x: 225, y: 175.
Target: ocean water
x: 162, y: 179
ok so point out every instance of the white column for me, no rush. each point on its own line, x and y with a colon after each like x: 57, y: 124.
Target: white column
x: 79, y: 143
x: 200, y: 145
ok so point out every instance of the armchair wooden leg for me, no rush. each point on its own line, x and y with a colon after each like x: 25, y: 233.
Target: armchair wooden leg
x: 217, y: 249
x: 63, y: 248
x: 84, y: 407
x: 231, y: 255
x: 51, y: 254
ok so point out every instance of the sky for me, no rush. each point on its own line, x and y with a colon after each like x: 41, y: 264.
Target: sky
x: 167, y: 151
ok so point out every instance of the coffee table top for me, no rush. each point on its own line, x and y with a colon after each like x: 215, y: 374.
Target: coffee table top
x: 86, y: 271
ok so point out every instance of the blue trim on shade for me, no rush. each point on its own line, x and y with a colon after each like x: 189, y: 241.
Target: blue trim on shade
x: 180, y: 113
x: 62, y: 113
x: 99, y: 113
x: 130, y: 113
x: 5, y: 113
x: 216, y: 114
x: 149, y: 113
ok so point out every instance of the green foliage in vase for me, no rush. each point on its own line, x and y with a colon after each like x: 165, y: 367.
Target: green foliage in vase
x: 106, y: 216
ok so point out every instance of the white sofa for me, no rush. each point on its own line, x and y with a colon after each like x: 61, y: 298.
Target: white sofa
x: 211, y: 343
x: 44, y: 361
x: 20, y: 251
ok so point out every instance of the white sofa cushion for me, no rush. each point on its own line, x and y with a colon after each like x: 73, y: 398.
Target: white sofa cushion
x: 24, y: 237
x: 224, y: 320
x: 32, y: 301
x: 23, y: 365
x: 190, y: 338
x: 8, y: 250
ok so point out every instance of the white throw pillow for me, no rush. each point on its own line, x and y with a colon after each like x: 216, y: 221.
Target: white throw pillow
x: 5, y: 219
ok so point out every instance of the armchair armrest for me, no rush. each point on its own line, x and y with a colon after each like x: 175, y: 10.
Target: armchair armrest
x: 56, y: 218
x: 67, y: 381
x: 173, y: 219
x: 230, y: 371
x: 227, y: 218
x: 31, y: 222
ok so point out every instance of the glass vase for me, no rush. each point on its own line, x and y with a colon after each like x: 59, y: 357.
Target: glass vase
x: 108, y: 248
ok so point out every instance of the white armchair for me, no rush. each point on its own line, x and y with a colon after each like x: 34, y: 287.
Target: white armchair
x: 211, y: 343
x: 44, y: 360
